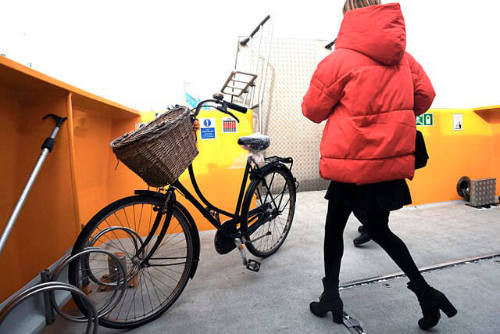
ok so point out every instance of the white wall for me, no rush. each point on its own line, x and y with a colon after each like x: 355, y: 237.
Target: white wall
x: 457, y: 42
x: 139, y: 53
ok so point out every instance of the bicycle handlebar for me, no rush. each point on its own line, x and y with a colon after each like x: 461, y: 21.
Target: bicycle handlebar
x: 236, y: 107
x: 222, y: 108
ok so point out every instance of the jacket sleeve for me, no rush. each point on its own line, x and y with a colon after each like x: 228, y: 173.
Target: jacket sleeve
x: 324, y: 91
x: 423, y: 91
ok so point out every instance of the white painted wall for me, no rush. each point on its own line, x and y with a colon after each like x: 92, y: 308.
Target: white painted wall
x: 139, y: 53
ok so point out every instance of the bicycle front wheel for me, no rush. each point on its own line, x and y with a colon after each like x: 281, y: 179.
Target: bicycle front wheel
x: 268, y: 210
x: 122, y: 228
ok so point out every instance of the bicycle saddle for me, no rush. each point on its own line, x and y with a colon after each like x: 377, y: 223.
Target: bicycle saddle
x: 255, y: 142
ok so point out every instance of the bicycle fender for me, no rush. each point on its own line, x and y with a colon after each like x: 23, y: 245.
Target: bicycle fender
x: 192, y: 226
x: 276, y: 164
x: 196, y: 236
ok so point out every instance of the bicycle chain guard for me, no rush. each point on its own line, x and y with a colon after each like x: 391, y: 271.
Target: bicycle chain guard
x: 224, y: 238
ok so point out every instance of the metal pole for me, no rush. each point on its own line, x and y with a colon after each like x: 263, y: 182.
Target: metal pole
x: 261, y: 28
x: 46, y: 148
x: 22, y: 199
x: 263, y: 81
x: 236, y: 63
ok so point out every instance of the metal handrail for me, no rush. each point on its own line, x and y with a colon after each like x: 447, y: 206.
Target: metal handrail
x: 252, y: 34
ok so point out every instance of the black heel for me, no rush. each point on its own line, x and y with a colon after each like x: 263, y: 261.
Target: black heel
x: 431, y: 301
x: 329, y: 301
x: 447, y: 307
x: 338, y: 316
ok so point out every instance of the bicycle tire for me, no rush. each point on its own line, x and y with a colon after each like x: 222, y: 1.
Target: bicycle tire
x: 252, y: 200
x: 100, y: 218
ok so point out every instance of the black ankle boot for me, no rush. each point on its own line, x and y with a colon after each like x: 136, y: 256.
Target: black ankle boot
x: 431, y: 301
x: 363, y: 238
x: 329, y: 301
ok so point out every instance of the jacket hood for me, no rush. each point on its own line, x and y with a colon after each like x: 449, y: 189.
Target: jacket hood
x: 376, y: 31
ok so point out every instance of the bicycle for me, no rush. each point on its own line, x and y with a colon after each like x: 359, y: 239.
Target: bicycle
x: 157, y: 239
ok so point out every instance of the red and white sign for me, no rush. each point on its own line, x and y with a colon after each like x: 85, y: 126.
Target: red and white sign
x: 229, y: 125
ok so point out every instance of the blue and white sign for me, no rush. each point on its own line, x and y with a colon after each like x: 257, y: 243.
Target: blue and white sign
x: 207, y: 128
x: 193, y: 101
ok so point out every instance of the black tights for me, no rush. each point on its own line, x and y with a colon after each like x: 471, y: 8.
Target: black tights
x: 377, y: 225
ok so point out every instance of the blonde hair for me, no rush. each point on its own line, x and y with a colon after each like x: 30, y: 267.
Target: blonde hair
x: 354, y: 4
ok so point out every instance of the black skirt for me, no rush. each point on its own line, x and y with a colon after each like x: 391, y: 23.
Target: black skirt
x: 382, y: 196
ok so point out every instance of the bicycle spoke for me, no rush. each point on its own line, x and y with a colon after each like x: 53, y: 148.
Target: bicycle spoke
x: 260, y: 197
x: 126, y: 218
x: 155, y: 286
x: 282, y: 194
x: 113, y: 231
x: 288, y: 201
x: 149, y: 294
x: 142, y: 296
x: 112, y: 242
x: 150, y: 218
x: 270, y: 185
x: 274, y: 191
x: 132, y: 304
x: 163, y: 282
x: 140, y: 219
x: 133, y: 212
x: 169, y: 269
x: 159, y: 281
x: 269, y: 192
x: 156, y: 289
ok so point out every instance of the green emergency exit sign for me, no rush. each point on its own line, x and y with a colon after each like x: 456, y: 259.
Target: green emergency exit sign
x: 425, y: 120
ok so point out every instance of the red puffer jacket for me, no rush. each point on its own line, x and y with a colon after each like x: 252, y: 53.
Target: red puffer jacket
x: 370, y: 90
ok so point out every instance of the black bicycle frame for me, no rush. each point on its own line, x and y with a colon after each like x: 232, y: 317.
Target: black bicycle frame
x: 210, y: 212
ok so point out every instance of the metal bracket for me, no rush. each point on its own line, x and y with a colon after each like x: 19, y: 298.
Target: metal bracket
x: 50, y: 315
x: 214, y: 214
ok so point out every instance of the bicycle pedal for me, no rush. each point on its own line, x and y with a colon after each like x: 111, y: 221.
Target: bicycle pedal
x: 253, y: 265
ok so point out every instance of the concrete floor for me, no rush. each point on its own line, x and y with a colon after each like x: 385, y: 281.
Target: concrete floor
x: 224, y: 297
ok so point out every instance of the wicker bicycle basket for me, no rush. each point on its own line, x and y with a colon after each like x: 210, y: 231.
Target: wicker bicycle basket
x: 160, y: 151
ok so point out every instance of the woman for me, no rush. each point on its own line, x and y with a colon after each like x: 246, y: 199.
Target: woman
x: 370, y: 90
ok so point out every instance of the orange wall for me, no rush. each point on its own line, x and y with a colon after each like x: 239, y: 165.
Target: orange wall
x: 46, y: 226
x: 74, y: 180
x: 99, y: 180
x: 473, y: 151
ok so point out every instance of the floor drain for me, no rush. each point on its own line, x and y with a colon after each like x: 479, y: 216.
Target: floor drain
x: 353, y: 324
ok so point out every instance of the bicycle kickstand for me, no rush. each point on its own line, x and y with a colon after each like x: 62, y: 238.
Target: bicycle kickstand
x: 250, y: 264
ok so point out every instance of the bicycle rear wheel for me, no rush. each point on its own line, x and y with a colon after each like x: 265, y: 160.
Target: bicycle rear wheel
x: 268, y: 210
x: 122, y: 228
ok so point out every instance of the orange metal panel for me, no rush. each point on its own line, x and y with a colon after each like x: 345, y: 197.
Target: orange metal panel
x: 98, y: 178
x: 46, y: 226
x: 69, y: 187
x: 22, y: 77
x: 472, y: 151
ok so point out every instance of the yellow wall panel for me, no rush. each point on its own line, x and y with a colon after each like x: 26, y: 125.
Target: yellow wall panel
x: 220, y: 165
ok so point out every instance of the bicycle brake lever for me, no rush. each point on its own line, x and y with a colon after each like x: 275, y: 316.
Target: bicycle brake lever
x: 224, y: 110
x: 231, y: 114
